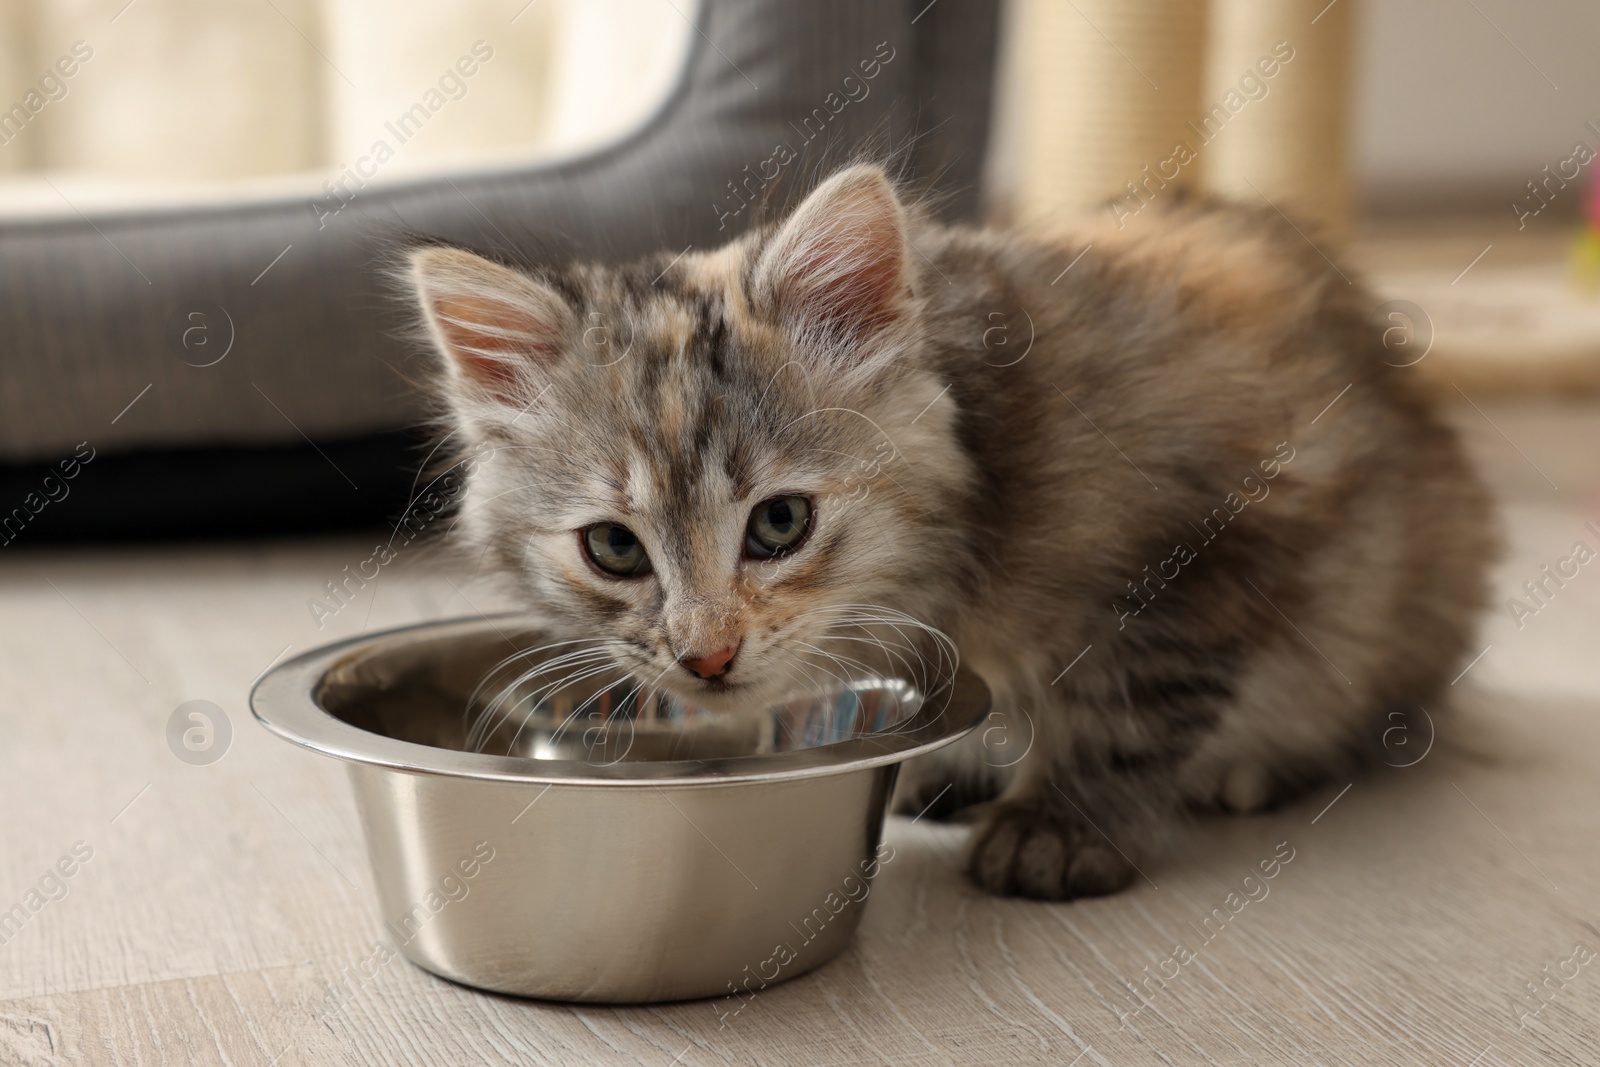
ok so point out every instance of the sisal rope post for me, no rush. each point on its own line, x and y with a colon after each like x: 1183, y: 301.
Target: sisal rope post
x: 1108, y: 87
x: 1290, y: 145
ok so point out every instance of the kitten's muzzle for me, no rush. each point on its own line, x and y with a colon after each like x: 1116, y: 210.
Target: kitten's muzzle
x: 712, y: 664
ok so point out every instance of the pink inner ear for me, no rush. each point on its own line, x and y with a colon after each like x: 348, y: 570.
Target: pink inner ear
x: 838, y: 266
x: 851, y: 280
x: 489, y: 338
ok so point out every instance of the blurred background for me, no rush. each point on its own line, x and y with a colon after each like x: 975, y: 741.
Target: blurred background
x: 1407, y: 106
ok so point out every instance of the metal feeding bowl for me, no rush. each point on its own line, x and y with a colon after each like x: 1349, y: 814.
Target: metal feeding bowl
x: 575, y: 836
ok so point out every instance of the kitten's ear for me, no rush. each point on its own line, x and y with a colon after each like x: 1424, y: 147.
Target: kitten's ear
x: 837, y: 268
x: 493, y: 325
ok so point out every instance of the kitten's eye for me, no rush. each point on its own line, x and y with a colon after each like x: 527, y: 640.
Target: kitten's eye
x: 615, y: 550
x: 777, y: 526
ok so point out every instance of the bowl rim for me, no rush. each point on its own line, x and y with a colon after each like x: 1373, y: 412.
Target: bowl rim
x: 284, y: 701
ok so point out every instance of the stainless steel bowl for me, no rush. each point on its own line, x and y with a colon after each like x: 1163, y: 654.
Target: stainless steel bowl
x: 581, y: 842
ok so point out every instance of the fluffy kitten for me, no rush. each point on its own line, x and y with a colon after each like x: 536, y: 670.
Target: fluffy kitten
x: 1158, y: 484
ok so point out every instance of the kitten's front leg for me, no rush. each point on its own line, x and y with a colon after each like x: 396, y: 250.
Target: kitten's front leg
x: 1093, y: 798
x: 1038, y: 846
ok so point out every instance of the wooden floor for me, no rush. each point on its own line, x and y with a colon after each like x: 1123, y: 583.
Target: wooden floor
x: 223, y: 914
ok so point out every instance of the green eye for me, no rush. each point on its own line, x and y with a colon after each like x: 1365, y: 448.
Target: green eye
x: 777, y: 526
x: 615, y: 550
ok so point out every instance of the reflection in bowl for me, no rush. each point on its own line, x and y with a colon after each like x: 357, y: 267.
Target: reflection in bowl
x: 640, y: 847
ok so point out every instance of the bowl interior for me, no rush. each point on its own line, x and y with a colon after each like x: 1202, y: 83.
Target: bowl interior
x: 496, y: 691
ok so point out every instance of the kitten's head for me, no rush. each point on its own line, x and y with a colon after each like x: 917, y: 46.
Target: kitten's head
x: 729, y: 472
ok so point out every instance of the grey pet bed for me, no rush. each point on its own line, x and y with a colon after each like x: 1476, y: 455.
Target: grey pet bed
x: 304, y: 422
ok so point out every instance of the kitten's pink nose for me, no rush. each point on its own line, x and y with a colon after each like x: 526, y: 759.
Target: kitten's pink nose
x: 711, y: 664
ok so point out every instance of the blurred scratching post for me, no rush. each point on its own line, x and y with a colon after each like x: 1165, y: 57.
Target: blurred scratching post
x: 1291, y: 145
x: 1104, y: 89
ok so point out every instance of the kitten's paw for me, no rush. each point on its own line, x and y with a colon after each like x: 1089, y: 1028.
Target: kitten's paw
x: 944, y: 785
x: 1250, y: 787
x: 1021, y: 850
x: 1246, y: 788
x: 947, y: 800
